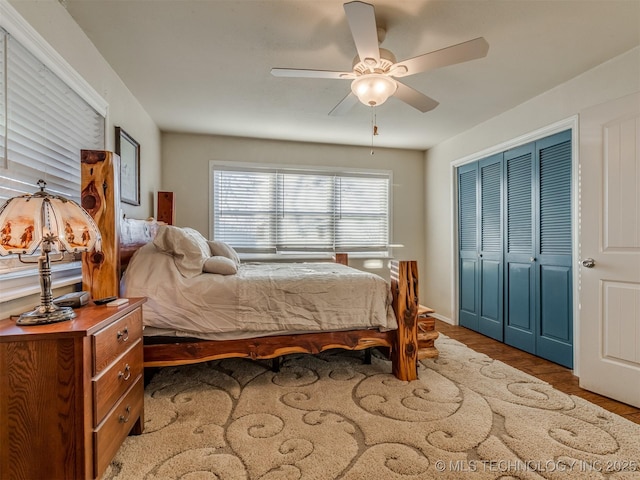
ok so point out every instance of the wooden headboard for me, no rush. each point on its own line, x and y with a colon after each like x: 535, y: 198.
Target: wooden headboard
x: 121, y: 237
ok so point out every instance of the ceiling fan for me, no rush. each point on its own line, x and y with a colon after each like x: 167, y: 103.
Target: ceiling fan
x: 375, y: 69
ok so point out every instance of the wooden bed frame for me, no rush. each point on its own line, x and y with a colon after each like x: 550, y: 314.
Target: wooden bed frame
x: 401, y: 343
x: 121, y: 238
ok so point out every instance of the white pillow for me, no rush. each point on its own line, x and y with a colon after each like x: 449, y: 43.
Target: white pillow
x: 187, y: 246
x: 198, y: 238
x: 220, y: 265
x: 221, y: 249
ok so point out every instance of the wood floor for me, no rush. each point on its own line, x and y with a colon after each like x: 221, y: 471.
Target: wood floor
x: 560, y: 377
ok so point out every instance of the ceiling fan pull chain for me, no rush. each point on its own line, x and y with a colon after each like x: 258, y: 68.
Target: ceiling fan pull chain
x: 374, y: 127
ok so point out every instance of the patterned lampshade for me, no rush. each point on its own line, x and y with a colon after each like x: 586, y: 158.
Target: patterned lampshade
x: 28, y: 220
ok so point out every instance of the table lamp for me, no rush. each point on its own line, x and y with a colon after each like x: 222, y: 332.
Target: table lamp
x: 55, y: 224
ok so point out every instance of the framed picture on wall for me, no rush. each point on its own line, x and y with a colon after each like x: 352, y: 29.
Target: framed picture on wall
x: 129, y: 151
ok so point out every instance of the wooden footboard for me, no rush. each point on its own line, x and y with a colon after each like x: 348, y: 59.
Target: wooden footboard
x: 195, y: 351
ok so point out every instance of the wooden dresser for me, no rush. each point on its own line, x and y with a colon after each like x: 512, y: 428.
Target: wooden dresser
x: 70, y: 392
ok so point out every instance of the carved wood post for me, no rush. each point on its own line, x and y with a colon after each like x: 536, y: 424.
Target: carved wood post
x: 100, y: 197
x: 342, y: 258
x: 166, y: 208
x: 404, y: 286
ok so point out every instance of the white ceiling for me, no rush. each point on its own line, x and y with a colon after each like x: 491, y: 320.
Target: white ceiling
x: 204, y: 66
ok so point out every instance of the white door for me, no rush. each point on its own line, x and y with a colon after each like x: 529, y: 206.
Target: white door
x: 609, y: 338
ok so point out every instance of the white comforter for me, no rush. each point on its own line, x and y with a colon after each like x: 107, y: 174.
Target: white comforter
x: 261, y: 299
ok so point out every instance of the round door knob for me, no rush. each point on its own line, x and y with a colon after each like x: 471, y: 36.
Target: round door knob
x: 588, y: 263
x: 532, y: 259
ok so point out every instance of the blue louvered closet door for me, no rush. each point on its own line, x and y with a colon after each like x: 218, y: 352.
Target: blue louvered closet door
x: 480, y: 242
x: 490, y: 251
x: 520, y: 271
x: 518, y: 287
x: 554, y: 298
x: 468, y: 245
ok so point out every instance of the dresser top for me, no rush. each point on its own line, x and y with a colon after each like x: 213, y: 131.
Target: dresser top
x: 89, y: 319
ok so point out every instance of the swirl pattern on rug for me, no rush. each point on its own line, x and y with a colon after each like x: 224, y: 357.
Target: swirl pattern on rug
x: 330, y: 416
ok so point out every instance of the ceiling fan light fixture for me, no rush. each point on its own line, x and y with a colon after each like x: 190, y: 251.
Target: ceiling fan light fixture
x: 373, y: 89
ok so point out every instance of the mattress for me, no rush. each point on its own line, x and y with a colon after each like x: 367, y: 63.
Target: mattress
x: 261, y: 299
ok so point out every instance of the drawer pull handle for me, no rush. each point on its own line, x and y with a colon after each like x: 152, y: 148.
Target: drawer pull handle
x: 122, y: 418
x: 123, y: 335
x: 126, y: 375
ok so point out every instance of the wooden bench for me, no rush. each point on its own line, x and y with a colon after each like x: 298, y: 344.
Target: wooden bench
x: 427, y: 333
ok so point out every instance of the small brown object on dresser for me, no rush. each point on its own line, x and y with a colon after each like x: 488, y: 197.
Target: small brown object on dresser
x: 70, y: 392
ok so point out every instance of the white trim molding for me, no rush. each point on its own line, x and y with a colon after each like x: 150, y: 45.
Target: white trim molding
x: 561, y: 126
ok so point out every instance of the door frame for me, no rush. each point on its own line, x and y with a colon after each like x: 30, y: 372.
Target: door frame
x: 557, y: 127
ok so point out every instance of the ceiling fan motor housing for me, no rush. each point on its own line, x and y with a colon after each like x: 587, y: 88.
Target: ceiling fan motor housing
x: 370, y: 65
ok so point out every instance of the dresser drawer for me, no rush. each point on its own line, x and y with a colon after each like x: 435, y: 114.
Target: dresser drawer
x: 116, y: 426
x: 110, y: 342
x: 109, y: 386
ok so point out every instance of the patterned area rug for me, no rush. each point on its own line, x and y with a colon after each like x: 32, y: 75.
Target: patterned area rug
x: 330, y: 416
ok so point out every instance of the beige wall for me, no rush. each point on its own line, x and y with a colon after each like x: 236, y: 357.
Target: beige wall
x: 56, y: 26
x: 613, y: 79
x: 185, y: 170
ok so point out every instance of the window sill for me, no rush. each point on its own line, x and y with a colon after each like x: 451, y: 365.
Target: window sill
x: 305, y: 257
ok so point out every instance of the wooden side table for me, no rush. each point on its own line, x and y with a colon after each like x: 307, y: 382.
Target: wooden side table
x: 427, y: 333
x: 70, y: 392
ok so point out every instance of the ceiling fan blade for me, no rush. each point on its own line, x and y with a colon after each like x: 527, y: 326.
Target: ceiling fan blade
x: 462, y: 52
x: 362, y: 22
x: 414, y: 98
x: 296, y: 72
x: 346, y: 104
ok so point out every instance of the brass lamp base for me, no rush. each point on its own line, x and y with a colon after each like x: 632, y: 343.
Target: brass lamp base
x: 41, y: 316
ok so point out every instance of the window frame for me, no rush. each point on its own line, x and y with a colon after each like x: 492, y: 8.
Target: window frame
x: 311, y: 169
x: 23, y: 282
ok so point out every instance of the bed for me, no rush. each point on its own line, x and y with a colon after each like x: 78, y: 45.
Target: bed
x: 261, y: 310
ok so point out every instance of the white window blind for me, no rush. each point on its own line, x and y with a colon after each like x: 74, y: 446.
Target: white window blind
x: 44, y: 124
x: 278, y: 210
x: 3, y: 100
x: 306, y: 219
x: 245, y: 212
x: 363, y: 214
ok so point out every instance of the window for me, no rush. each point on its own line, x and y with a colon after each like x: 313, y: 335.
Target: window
x: 286, y: 210
x: 44, y: 123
